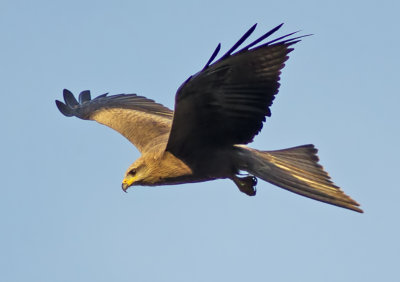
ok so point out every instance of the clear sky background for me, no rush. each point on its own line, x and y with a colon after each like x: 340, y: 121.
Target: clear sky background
x: 63, y: 215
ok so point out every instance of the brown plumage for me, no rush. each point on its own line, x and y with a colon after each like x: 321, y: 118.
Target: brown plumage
x: 217, y: 111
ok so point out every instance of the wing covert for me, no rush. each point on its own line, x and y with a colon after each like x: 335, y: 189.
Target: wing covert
x: 142, y: 121
x: 227, y: 101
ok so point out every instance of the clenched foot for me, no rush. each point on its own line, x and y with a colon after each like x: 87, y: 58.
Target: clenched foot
x: 246, y: 184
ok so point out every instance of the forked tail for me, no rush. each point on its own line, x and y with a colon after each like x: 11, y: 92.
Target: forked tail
x: 297, y: 170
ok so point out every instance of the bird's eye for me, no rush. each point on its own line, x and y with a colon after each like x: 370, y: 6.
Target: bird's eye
x: 132, y: 172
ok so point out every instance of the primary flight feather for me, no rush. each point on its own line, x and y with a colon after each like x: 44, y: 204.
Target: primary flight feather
x: 217, y: 112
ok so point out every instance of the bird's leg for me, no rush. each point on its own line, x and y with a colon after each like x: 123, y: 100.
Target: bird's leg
x: 246, y: 184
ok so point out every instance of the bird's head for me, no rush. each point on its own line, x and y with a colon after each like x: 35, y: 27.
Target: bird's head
x: 155, y: 169
x: 134, y: 175
x: 144, y: 171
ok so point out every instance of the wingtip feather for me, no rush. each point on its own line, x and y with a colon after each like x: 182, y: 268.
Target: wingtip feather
x: 239, y: 42
x: 84, y: 96
x: 69, y: 98
x: 64, y: 109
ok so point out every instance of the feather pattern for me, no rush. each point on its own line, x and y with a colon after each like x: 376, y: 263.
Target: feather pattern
x: 296, y: 170
x: 142, y: 121
x: 226, y: 103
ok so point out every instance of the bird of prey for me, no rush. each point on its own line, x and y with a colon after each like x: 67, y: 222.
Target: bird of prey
x: 217, y: 112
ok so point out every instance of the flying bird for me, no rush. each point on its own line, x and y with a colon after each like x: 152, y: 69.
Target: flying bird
x: 217, y: 112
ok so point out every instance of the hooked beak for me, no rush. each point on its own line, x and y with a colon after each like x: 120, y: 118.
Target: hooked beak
x: 127, y: 182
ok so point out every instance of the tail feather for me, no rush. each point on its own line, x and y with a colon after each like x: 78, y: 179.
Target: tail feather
x: 297, y: 170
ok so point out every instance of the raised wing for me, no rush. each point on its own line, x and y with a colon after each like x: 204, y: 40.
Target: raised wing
x: 227, y: 101
x: 142, y: 121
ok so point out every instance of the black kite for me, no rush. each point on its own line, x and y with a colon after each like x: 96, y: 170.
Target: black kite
x: 217, y: 111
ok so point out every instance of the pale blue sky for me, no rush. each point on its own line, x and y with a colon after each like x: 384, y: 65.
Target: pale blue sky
x: 63, y: 215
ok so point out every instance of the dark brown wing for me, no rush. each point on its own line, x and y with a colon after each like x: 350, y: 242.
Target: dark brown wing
x: 140, y: 120
x: 226, y: 103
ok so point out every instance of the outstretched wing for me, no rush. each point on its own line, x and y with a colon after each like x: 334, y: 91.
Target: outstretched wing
x: 142, y: 121
x: 227, y: 101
